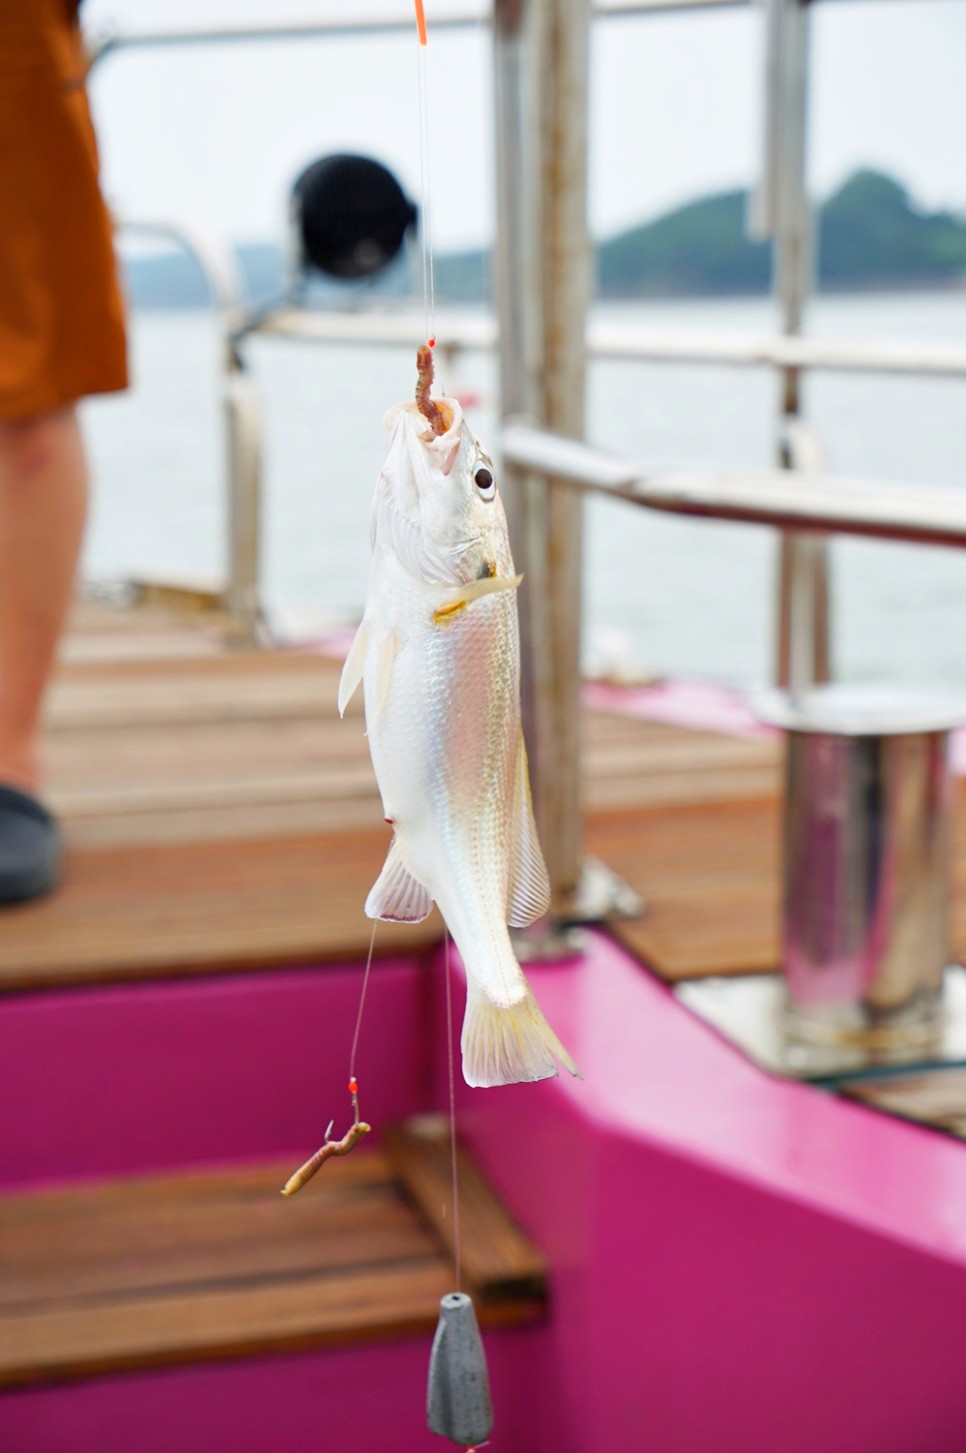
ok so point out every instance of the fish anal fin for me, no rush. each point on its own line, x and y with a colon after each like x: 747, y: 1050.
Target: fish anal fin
x: 355, y: 664
x: 396, y: 895
x: 529, y: 880
x: 505, y: 1045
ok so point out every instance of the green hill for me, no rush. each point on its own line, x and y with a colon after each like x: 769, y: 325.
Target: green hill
x: 870, y: 235
x: 698, y: 248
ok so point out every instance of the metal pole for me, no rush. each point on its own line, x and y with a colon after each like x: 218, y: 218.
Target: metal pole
x: 242, y: 417
x: 780, y: 210
x: 543, y: 286
x: 244, y: 467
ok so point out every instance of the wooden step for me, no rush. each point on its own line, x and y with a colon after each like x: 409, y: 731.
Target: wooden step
x: 202, y: 1265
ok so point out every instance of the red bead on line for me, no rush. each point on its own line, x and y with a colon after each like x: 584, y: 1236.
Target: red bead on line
x: 432, y: 342
x: 353, y: 1086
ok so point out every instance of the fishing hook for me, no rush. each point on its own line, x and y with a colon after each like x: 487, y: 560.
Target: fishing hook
x: 329, y: 1148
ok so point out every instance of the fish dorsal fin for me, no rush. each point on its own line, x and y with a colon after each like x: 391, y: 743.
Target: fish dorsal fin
x: 355, y: 664
x: 396, y: 895
x: 529, y: 880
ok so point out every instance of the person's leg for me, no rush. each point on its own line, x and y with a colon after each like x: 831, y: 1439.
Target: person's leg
x: 43, y: 504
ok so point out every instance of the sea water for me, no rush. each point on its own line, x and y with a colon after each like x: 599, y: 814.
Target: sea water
x: 663, y: 595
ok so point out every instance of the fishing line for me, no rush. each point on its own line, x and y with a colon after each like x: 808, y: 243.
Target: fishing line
x: 359, y: 1127
x: 353, y: 1082
x: 452, y: 1121
x: 429, y: 287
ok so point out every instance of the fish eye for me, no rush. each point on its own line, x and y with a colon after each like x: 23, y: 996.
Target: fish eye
x: 485, y: 482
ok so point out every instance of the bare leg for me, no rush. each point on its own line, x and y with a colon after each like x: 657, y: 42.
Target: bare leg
x: 43, y: 504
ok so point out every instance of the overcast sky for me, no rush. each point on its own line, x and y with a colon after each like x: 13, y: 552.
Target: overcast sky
x: 220, y: 132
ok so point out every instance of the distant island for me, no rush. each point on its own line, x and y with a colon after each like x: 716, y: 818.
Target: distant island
x: 870, y: 235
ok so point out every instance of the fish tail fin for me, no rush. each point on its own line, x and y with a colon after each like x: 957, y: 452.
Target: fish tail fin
x: 504, y: 1044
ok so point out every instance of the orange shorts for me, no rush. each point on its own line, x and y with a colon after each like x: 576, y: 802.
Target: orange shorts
x: 61, y: 311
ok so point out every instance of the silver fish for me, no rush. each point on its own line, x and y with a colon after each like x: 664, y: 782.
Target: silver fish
x: 438, y: 651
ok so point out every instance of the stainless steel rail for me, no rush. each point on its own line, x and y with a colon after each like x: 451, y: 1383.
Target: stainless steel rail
x: 107, y: 42
x: 543, y: 285
x: 241, y: 479
x: 780, y: 212
x: 465, y: 330
x: 399, y: 22
x: 783, y: 498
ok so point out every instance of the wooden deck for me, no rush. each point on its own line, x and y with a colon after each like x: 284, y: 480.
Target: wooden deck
x: 220, y: 816
x: 215, y: 1264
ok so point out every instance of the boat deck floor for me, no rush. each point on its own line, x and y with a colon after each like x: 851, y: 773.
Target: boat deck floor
x: 220, y: 816
x: 209, y: 1264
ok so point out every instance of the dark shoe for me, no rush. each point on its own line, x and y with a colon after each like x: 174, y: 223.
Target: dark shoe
x: 29, y: 847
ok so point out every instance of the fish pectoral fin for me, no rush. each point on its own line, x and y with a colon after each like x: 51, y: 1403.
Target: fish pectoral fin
x: 456, y: 600
x: 529, y: 880
x: 355, y: 664
x: 396, y: 895
x: 386, y: 653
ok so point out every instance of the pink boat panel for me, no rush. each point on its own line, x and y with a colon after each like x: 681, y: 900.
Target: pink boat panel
x: 738, y: 1264
x: 345, y: 1400
x: 109, y: 1081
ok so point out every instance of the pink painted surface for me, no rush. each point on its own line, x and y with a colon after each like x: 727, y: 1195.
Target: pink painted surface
x: 345, y: 1400
x: 118, y: 1080
x: 699, y: 705
x: 739, y: 1263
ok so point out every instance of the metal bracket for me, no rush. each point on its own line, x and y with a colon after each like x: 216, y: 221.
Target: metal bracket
x: 748, y: 1010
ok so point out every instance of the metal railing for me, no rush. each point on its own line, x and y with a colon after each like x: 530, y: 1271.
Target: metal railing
x: 399, y: 21
x: 476, y: 331
x: 797, y: 500
x: 544, y: 341
x: 238, y: 594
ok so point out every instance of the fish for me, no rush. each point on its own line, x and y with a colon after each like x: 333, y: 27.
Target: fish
x: 438, y: 654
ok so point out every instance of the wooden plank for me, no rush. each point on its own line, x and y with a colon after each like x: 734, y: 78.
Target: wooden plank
x: 112, y: 1258
x: 194, y: 1265
x: 219, y: 815
x: 193, y: 1229
x: 710, y: 876
x: 148, y: 1332
x: 495, y: 1254
x: 187, y: 906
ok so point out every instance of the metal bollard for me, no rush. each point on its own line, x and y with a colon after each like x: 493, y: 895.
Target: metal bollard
x: 868, y: 793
